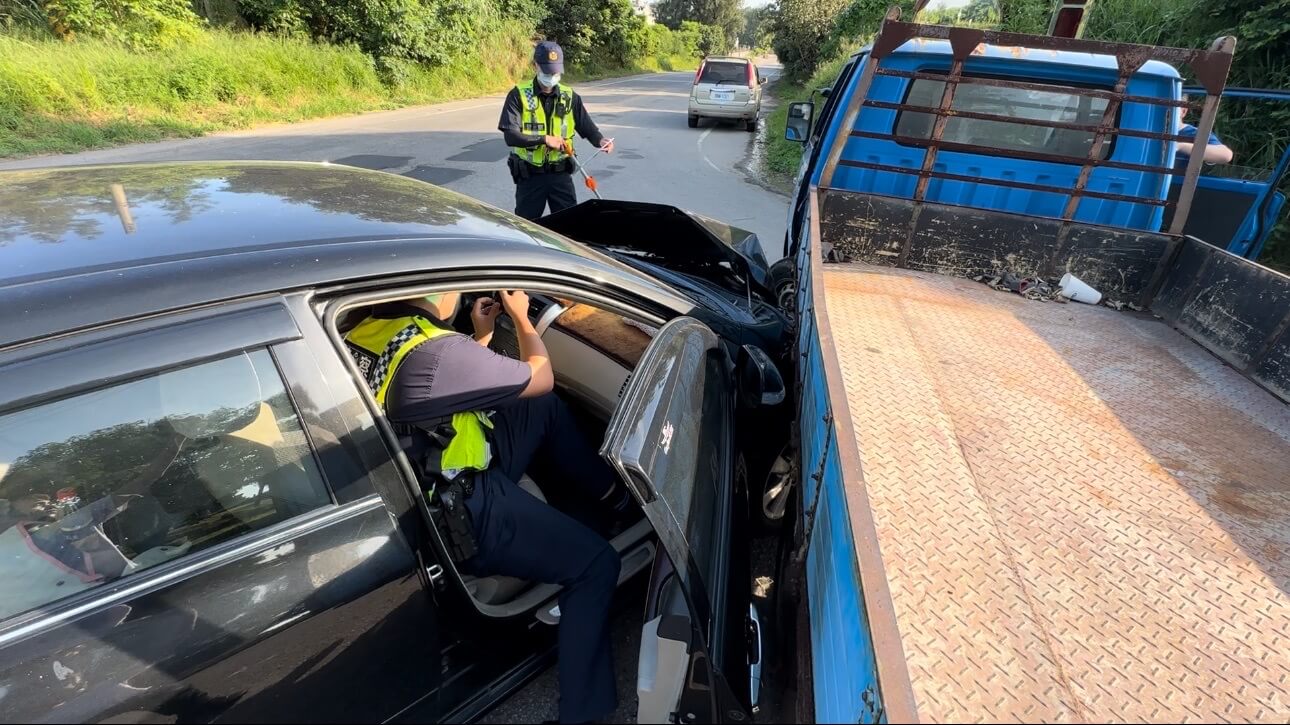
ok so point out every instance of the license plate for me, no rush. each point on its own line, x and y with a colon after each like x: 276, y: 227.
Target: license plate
x: 723, y: 95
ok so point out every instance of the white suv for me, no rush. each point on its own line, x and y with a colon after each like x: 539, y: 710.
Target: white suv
x: 728, y: 88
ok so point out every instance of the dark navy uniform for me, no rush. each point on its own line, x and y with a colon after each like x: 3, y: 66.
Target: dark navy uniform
x: 517, y: 534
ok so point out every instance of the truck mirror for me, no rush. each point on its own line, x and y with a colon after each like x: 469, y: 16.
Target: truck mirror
x: 799, y: 121
x: 759, y: 380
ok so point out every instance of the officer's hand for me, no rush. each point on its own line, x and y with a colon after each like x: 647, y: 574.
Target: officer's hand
x: 555, y: 143
x: 516, y: 303
x: 484, y: 314
x: 607, y: 145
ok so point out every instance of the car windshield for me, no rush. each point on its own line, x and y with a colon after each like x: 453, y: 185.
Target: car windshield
x: 724, y: 72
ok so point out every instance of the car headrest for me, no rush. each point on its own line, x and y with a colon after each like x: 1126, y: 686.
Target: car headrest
x: 212, y: 399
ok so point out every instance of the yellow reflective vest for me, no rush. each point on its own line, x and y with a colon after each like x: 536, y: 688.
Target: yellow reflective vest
x: 533, y: 121
x: 379, y: 346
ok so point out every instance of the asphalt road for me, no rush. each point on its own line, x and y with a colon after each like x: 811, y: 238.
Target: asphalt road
x: 658, y: 158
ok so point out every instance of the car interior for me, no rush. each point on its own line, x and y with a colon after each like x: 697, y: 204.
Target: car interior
x: 593, y: 352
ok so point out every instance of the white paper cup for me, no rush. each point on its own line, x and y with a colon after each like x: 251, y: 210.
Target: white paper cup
x: 1074, y: 288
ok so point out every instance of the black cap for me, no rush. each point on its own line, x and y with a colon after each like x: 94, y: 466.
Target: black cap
x: 549, y: 57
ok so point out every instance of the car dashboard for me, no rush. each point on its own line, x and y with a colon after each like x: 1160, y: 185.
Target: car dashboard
x: 592, y: 351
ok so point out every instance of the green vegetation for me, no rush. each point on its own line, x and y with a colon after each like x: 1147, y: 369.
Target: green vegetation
x: 721, y: 20
x: 811, y: 37
x: 77, y: 74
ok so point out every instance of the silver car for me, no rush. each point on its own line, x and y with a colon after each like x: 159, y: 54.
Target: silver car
x: 726, y: 88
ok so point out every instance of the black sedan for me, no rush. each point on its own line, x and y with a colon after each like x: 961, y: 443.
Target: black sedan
x: 204, y: 515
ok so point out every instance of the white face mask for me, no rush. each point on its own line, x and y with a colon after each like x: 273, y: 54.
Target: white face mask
x: 549, y: 80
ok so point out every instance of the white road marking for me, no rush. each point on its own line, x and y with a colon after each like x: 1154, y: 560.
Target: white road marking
x: 699, y: 143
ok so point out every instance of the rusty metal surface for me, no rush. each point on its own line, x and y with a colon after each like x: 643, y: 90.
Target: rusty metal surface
x: 1083, y: 516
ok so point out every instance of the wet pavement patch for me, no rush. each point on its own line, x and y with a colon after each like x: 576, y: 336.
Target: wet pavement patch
x: 375, y: 162
x: 486, y: 151
x: 630, y: 155
x: 437, y: 174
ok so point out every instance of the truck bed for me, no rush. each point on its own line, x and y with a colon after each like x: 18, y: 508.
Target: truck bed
x: 1082, y: 515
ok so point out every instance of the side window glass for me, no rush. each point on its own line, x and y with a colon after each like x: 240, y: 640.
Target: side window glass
x: 101, y: 485
x: 839, y: 85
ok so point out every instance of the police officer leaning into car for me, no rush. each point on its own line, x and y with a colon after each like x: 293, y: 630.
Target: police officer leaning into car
x: 475, y: 422
x: 538, y: 119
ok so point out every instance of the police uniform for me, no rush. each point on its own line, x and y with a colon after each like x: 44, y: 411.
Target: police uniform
x: 456, y: 405
x: 543, y: 176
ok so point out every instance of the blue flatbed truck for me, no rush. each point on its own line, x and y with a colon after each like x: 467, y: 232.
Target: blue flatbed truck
x: 1014, y: 509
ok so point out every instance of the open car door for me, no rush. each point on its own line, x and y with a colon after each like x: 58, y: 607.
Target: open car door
x: 672, y: 440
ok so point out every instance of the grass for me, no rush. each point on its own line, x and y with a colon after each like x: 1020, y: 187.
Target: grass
x: 783, y: 156
x: 58, y: 97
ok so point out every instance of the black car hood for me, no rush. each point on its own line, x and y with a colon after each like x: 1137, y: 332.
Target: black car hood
x: 669, y: 237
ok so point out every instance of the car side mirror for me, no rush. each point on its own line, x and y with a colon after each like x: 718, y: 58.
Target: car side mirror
x: 761, y: 80
x: 760, y: 383
x: 799, y: 121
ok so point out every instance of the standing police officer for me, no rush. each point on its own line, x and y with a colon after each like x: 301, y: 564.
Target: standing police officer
x: 538, y: 119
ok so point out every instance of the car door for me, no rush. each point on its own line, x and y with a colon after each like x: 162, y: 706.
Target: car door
x: 186, y: 538
x: 672, y: 440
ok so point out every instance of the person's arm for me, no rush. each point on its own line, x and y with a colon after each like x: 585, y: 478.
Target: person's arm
x: 511, y: 125
x: 1218, y: 153
x: 532, y: 350
x: 483, y: 315
x: 586, y: 127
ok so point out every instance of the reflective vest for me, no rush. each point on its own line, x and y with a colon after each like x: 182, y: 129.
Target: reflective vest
x: 379, y: 347
x: 533, y: 121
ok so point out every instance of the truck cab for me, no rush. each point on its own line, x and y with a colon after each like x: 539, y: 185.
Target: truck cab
x: 1051, y: 129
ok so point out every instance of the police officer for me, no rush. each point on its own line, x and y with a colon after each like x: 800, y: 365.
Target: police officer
x: 474, y: 422
x: 538, y: 118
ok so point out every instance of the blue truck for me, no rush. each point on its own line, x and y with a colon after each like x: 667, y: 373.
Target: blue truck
x: 1019, y: 507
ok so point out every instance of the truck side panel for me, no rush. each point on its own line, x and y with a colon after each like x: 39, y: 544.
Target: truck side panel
x: 1236, y: 309
x: 852, y: 622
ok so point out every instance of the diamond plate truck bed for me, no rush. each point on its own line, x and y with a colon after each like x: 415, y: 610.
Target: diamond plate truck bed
x: 1082, y: 515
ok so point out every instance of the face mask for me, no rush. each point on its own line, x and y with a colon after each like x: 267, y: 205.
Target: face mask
x: 549, y: 80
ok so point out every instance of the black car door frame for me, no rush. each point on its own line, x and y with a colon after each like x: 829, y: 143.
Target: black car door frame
x: 126, y: 620
x: 668, y: 404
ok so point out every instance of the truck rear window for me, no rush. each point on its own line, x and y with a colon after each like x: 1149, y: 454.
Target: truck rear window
x: 1052, y: 106
x: 725, y: 72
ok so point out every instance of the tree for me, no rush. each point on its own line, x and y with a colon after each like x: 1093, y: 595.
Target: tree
x: 981, y: 11
x: 802, y: 27
x: 756, y: 30
x: 724, y: 14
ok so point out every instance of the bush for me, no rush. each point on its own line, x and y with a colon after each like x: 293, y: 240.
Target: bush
x: 858, y: 22
x: 395, y: 32
x: 802, y: 28
x: 137, y: 23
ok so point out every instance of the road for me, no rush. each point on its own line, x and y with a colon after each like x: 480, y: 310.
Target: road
x: 457, y: 145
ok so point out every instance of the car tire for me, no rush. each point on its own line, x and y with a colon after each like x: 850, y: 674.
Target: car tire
x: 692, y: 121
x: 783, y: 282
x: 751, y: 126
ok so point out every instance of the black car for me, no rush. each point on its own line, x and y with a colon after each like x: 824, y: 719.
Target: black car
x: 203, y: 515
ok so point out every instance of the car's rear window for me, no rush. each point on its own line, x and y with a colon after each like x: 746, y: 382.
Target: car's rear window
x: 725, y: 72
x: 1044, y: 106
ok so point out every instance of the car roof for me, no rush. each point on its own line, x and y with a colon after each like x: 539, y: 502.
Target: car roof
x: 731, y: 58
x: 82, y: 246
x: 924, y: 46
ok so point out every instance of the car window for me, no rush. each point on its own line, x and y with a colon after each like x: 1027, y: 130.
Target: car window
x: 107, y: 483
x: 724, y: 72
x: 839, y: 85
x: 1048, y: 106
